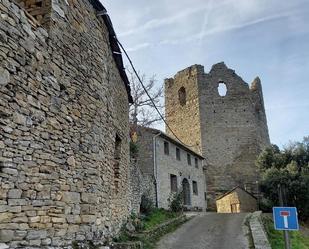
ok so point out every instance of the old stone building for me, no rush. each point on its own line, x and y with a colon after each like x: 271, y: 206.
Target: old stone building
x: 229, y: 129
x: 169, y: 167
x: 238, y: 200
x: 64, y: 124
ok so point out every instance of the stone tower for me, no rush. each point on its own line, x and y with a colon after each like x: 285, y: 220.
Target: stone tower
x: 228, y: 129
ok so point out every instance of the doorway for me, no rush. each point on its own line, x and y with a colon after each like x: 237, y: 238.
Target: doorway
x: 186, y: 192
x: 235, y: 208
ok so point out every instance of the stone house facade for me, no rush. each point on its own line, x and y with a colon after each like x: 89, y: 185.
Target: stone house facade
x: 228, y: 129
x: 64, y: 129
x: 238, y: 200
x: 168, y: 167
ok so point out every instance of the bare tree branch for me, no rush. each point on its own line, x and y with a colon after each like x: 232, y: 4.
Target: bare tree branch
x: 142, y: 111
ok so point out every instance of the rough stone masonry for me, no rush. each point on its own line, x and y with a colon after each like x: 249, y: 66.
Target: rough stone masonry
x: 228, y: 130
x: 64, y: 125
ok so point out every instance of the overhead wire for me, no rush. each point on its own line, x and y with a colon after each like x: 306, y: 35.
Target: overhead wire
x: 153, y: 103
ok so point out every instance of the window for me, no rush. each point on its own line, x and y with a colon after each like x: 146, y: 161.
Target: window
x: 182, y: 96
x: 166, y: 148
x: 195, y: 190
x: 173, y: 183
x: 178, y: 154
x: 117, y: 155
x: 40, y: 10
x: 117, y: 151
x: 189, y: 158
x: 196, y: 162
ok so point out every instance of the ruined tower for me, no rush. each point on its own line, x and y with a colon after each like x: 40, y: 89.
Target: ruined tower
x: 228, y: 129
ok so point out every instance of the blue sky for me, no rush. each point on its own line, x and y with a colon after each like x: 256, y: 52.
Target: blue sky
x: 265, y: 38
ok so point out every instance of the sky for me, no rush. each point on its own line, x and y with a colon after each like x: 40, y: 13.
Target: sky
x: 265, y: 38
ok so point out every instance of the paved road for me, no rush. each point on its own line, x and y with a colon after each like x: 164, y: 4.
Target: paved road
x: 209, y: 231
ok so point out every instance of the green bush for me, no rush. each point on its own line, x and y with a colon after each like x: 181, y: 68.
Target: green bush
x: 133, y: 149
x: 288, y: 168
x: 123, y: 236
x: 136, y: 222
x: 176, y: 202
x: 146, y: 205
x: 265, y: 205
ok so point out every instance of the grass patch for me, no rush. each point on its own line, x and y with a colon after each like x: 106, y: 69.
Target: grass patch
x: 298, y: 240
x: 158, y: 216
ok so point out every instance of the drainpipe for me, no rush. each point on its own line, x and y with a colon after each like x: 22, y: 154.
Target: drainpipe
x: 205, y: 177
x: 155, y: 169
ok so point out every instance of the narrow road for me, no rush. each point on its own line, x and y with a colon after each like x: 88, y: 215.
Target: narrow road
x: 209, y: 231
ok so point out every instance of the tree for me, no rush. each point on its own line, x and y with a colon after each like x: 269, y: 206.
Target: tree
x: 290, y: 168
x: 142, y: 111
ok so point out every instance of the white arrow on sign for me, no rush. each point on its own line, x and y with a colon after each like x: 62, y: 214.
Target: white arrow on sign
x: 285, y: 215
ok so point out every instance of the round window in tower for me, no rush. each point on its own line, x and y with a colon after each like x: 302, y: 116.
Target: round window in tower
x: 182, y: 96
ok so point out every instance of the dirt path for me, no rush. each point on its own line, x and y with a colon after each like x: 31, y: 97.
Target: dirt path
x: 209, y: 231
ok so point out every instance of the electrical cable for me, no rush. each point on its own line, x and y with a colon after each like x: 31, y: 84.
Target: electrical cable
x: 154, y: 105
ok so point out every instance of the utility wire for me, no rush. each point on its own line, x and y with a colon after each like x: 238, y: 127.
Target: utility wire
x: 154, y: 105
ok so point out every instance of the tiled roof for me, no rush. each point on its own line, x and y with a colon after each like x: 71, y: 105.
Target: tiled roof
x: 232, y: 190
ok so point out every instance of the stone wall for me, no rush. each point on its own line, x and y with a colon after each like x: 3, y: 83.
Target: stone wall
x: 145, y: 161
x: 145, y: 150
x: 62, y: 105
x: 39, y: 9
x: 138, y: 186
x: 231, y: 130
x: 247, y: 202
x: 258, y: 233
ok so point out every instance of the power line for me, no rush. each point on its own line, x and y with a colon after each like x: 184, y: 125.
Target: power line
x: 154, y: 105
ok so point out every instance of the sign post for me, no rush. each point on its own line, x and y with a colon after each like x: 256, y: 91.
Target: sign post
x: 285, y: 218
x: 286, y: 236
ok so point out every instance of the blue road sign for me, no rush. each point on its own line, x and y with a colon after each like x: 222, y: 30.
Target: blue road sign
x: 285, y: 218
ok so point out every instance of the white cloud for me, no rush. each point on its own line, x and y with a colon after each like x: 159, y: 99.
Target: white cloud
x: 223, y: 28
x: 181, y: 15
x: 237, y: 15
x: 156, y: 23
x: 208, y: 32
